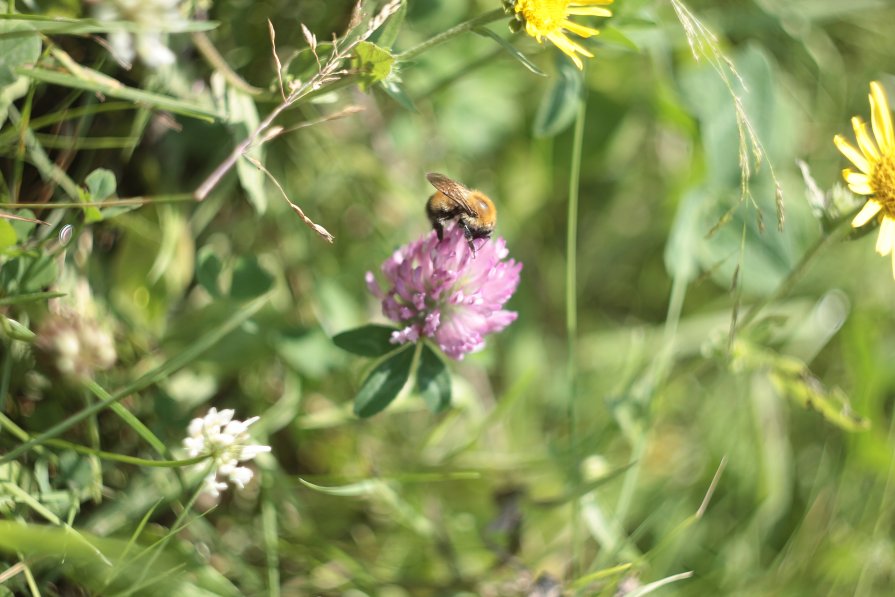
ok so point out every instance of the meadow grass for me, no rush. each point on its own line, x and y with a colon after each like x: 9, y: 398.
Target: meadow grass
x: 207, y: 205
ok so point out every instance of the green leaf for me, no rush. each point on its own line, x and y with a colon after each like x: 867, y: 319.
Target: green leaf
x: 39, y: 273
x: 511, y: 50
x: 19, y: 46
x: 393, y: 88
x: 91, y: 561
x: 386, y: 35
x: 249, y: 279
x: 97, y: 82
x: 682, y: 250
x: 374, y: 63
x: 244, y: 120
x: 361, y: 488
x: 101, y: 184
x: 58, y: 25
x: 366, y: 341
x: 560, y: 103
x: 23, y: 228
x: 9, y: 94
x: 208, y: 271
x: 614, y: 36
x: 433, y: 381
x: 384, y: 383
x: 31, y: 297
x: 91, y: 214
x: 15, y: 330
x: 7, y: 234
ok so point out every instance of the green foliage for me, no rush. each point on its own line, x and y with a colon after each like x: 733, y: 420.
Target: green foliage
x: 382, y: 385
x: 374, y: 63
x: 19, y: 46
x: 722, y: 424
x: 511, y: 50
x: 433, y: 381
x: 366, y: 341
x: 559, y: 105
x: 7, y: 235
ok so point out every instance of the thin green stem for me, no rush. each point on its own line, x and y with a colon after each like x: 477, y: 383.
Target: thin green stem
x: 29, y: 576
x: 61, y: 443
x: 460, y: 73
x: 67, y: 114
x: 5, y: 373
x: 214, y: 58
x: 269, y: 527
x: 483, y: 19
x: 96, y: 467
x: 28, y: 297
x: 572, y: 312
x: 130, y: 419
x: 128, y: 201
x: 156, y: 550
x: 7, y: 424
x: 22, y: 144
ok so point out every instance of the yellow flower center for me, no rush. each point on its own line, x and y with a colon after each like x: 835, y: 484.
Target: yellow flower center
x: 542, y: 17
x: 882, y: 181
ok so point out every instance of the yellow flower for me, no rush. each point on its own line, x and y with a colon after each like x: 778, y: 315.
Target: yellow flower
x: 550, y: 19
x: 876, y: 164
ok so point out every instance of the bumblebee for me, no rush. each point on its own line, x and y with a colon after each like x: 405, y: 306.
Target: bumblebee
x: 473, y: 210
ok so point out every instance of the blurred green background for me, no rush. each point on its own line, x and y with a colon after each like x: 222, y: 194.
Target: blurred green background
x: 502, y: 489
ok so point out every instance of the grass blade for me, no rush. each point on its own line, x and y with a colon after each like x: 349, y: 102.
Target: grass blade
x: 96, y: 82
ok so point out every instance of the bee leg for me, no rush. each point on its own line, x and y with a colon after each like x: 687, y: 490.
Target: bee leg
x: 439, y: 229
x: 468, y: 234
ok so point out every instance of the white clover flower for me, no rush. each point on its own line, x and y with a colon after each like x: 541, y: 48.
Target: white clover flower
x: 228, y: 443
x: 75, y: 343
x: 212, y: 486
x: 152, y: 18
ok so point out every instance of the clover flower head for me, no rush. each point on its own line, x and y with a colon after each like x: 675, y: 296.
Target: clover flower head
x: 440, y: 290
x: 227, y: 442
x: 549, y: 19
x: 875, y: 160
x: 152, y: 18
x: 75, y: 344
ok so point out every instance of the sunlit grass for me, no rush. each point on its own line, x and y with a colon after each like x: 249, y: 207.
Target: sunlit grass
x: 690, y: 401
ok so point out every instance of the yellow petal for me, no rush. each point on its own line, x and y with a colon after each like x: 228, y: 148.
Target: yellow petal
x: 579, y: 29
x: 859, y: 183
x: 886, y: 236
x: 849, y: 151
x: 569, y: 48
x: 589, y: 11
x: 567, y: 45
x: 852, y: 177
x: 864, y: 141
x: 534, y: 32
x: 870, y: 209
x: 861, y: 189
x: 568, y: 52
x: 881, y: 118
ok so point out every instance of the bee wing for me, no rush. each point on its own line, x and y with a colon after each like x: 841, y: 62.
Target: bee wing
x: 451, y: 189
